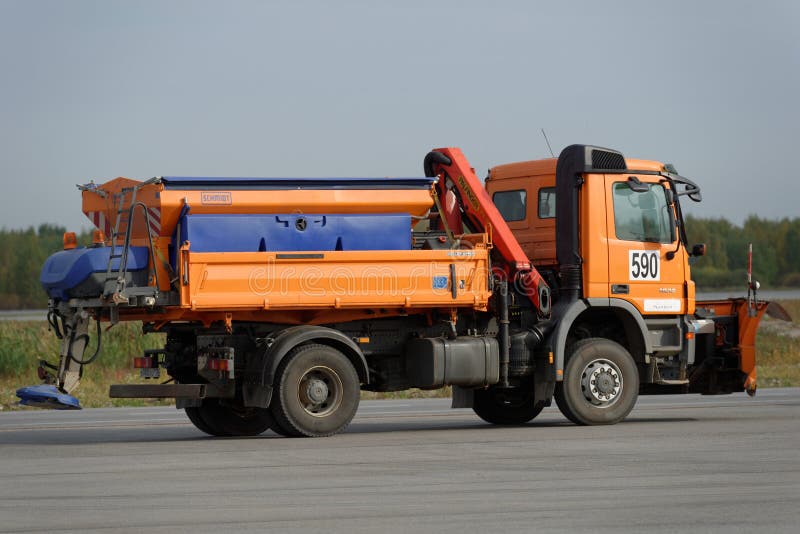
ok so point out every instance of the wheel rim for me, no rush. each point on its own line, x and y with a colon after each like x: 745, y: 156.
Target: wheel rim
x: 601, y: 383
x: 320, y: 391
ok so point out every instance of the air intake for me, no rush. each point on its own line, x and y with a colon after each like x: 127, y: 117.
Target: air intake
x: 607, y: 160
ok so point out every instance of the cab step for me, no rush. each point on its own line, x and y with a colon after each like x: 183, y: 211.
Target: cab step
x: 666, y: 382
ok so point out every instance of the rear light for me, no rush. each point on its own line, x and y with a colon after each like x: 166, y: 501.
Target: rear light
x: 98, y: 237
x: 143, y: 362
x: 216, y: 364
x: 218, y: 361
x: 70, y: 240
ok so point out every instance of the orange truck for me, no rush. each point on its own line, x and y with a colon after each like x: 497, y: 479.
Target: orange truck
x: 281, y: 299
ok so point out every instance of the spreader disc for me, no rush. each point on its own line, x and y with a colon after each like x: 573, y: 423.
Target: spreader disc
x: 47, y: 396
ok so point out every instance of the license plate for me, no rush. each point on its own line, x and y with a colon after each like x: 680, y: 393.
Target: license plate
x: 150, y: 372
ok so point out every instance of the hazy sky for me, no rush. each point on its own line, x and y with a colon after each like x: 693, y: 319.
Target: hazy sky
x: 95, y: 90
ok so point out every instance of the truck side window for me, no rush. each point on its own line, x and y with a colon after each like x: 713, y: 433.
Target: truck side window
x: 511, y: 204
x: 644, y: 216
x: 547, y: 202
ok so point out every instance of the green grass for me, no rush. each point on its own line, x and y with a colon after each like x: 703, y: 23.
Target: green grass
x: 778, y: 350
x: 24, y: 343
x: 793, y: 307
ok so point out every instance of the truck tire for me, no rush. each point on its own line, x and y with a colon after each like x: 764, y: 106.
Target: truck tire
x: 506, y: 407
x: 218, y: 419
x: 193, y: 413
x: 601, y: 383
x: 316, y: 392
x: 281, y: 430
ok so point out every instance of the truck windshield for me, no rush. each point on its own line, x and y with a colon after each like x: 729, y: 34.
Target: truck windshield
x: 643, y: 216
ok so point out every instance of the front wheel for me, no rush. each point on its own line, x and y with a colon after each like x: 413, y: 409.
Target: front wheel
x: 601, y: 383
x: 506, y: 406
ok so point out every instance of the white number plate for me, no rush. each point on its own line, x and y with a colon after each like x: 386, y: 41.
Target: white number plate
x: 644, y: 264
x: 662, y: 305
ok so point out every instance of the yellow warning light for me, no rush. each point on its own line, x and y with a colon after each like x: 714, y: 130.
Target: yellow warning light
x: 98, y: 237
x: 70, y: 240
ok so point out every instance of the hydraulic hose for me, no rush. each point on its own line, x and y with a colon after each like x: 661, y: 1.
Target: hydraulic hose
x: 73, y: 338
x: 52, y: 320
x: 430, y: 159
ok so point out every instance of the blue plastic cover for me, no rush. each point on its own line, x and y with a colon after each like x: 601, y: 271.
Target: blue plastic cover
x: 66, y: 269
x: 296, y: 232
x: 46, y: 396
x: 197, y: 183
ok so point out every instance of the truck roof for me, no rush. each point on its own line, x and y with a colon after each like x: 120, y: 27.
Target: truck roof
x: 548, y: 166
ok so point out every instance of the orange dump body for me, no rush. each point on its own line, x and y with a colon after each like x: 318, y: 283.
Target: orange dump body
x: 288, y: 286
x: 100, y: 206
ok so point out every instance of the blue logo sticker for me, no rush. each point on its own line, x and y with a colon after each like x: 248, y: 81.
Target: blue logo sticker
x: 439, y: 282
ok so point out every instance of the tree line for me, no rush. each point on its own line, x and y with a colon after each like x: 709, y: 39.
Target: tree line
x: 776, y: 256
x: 22, y: 254
x: 776, y: 251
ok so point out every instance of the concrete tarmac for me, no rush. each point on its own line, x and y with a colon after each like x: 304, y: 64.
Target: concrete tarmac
x: 677, y: 464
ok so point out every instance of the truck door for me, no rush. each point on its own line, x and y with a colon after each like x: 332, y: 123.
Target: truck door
x: 641, y: 232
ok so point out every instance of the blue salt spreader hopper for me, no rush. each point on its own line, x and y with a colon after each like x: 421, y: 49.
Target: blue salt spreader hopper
x: 47, y: 396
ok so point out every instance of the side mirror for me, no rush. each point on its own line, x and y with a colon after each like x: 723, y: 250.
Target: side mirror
x: 636, y: 186
x: 698, y: 250
x: 693, y: 192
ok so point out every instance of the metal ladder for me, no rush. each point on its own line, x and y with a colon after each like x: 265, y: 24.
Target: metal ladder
x: 123, y: 216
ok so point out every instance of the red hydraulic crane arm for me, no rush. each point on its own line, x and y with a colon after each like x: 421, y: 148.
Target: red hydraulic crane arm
x: 477, y: 208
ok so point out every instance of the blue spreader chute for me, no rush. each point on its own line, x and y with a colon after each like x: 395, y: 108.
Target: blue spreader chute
x: 46, y: 396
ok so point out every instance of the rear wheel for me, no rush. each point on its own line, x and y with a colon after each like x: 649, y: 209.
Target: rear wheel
x: 601, y: 383
x: 506, y: 406
x: 317, y: 392
x: 193, y: 413
x: 281, y: 430
x: 218, y: 418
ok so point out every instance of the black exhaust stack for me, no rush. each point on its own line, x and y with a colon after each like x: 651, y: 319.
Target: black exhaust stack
x: 573, y: 162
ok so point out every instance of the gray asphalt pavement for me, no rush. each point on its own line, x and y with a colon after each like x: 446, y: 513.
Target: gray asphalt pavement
x: 677, y: 464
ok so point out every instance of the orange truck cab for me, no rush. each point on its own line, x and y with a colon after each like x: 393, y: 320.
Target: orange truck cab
x: 607, y: 234
x: 282, y: 298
